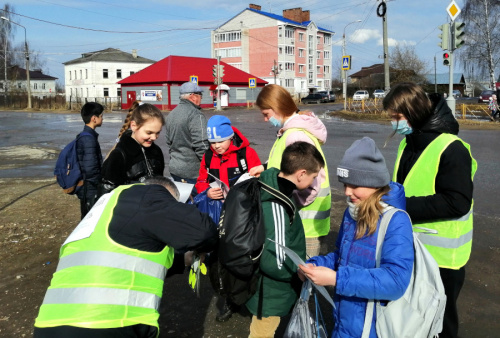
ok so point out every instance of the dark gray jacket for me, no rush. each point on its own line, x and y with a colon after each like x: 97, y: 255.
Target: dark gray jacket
x: 186, y: 132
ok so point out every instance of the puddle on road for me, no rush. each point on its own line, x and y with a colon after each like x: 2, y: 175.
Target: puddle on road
x: 20, y: 156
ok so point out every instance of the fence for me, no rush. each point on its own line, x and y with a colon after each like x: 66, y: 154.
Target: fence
x: 109, y: 102
x: 20, y: 101
x: 463, y: 111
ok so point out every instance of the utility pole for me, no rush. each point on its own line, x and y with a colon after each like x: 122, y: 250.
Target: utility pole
x: 275, y: 71
x: 435, y: 75
x: 387, y: 81
x: 344, y: 72
x: 218, y: 108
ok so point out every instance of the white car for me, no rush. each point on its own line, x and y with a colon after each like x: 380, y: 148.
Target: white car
x: 361, y: 95
x: 378, y: 94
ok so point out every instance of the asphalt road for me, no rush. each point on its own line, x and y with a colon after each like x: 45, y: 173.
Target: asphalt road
x: 36, y: 138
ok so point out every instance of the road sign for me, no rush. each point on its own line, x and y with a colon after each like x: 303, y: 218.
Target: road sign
x: 453, y: 10
x: 252, y: 83
x: 193, y: 79
x: 346, y: 62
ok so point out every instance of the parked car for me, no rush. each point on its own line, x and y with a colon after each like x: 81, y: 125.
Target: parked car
x: 378, y: 93
x: 485, y: 96
x: 456, y: 93
x: 314, y: 98
x: 329, y: 94
x: 361, y: 95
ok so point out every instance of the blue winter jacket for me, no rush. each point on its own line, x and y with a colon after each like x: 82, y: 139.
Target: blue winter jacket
x: 357, y: 278
x: 90, y: 159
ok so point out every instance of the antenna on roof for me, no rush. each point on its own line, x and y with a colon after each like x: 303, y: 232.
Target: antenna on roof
x: 270, y: 7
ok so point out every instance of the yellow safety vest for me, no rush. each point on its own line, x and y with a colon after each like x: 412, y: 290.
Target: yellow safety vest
x: 102, y: 284
x: 315, y: 216
x: 451, y: 246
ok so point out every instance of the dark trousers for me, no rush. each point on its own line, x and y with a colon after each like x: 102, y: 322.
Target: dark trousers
x: 134, y: 331
x: 453, y: 280
x: 186, y: 180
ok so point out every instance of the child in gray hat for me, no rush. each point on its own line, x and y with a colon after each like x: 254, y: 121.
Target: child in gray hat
x: 351, y: 267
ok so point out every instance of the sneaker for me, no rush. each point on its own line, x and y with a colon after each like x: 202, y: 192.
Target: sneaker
x: 226, y: 313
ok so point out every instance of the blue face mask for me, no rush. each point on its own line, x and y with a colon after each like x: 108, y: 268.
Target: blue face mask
x: 401, y: 127
x: 275, y: 122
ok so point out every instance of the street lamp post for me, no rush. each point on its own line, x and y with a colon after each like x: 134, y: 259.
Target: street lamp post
x: 27, y: 55
x: 344, y: 72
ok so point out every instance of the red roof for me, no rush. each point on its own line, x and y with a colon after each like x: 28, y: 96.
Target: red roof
x: 179, y: 68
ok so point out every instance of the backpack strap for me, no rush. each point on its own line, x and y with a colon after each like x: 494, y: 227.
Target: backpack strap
x: 382, y: 229
x: 208, y: 157
x: 242, y: 159
x: 289, y: 206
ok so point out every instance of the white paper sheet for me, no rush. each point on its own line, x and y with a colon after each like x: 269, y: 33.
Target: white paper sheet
x: 184, y: 190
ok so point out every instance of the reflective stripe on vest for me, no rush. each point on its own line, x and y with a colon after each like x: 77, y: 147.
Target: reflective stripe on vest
x: 451, y: 246
x: 315, y: 216
x: 102, y: 284
x: 113, y: 260
x: 102, y: 296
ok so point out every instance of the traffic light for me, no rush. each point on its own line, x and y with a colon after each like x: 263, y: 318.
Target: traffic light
x: 444, y: 36
x: 458, y: 35
x: 214, y: 71
x: 221, y: 70
x: 446, y: 59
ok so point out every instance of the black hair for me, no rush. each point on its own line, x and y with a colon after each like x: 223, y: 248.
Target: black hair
x: 301, y: 155
x: 90, y: 109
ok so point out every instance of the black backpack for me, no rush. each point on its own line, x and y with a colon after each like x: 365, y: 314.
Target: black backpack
x: 234, y: 265
x: 241, y: 158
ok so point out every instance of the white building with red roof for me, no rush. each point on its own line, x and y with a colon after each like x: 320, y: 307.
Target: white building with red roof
x: 289, y: 49
x: 159, y: 83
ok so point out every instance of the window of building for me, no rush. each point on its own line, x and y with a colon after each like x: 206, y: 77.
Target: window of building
x: 289, y: 33
x: 311, y: 77
x: 280, y: 50
x: 71, y: 91
x: 1, y: 85
x: 86, y: 74
x: 70, y: 74
x: 301, y: 53
x: 311, y: 63
x: 280, y: 32
x: 241, y: 94
x: 81, y: 92
x: 301, y: 36
x: 75, y: 74
x: 228, y: 52
x: 19, y: 85
x: 289, y: 83
x: 326, y: 69
x: 87, y: 92
x: 318, y: 69
x: 318, y: 54
x: 311, y: 43
x: 289, y: 50
x: 132, y: 72
x: 301, y: 68
x: 104, y: 73
x: 327, y: 84
x: 106, y: 92
x: 328, y: 39
x: 43, y: 85
x: 118, y: 73
x: 35, y: 85
x: 119, y: 92
x: 289, y: 66
x: 227, y: 36
x: 326, y: 54
x: 319, y: 39
x: 81, y: 76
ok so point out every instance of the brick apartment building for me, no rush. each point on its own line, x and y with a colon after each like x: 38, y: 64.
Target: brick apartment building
x: 289, y: 49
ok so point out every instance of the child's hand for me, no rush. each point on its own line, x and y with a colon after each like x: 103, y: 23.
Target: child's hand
x: 255, y: 171
x: 301, y: 273
x: 319, y: 275
x: 215, y: 193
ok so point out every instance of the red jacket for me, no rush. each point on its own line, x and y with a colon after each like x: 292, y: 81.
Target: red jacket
x: 225, y: 167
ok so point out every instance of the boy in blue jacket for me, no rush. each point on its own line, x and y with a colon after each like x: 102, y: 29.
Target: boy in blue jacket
x: 351, y: 267
x: 89, y: 155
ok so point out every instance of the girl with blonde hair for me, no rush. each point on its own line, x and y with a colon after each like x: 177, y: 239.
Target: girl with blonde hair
x: 135, y: 157
x: 279, y: 109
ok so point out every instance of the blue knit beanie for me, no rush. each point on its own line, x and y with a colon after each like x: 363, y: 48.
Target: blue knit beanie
x: 219, y: 129
x: 363, y: 165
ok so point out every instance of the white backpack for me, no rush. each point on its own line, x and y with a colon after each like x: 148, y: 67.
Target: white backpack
x: 419, y: 312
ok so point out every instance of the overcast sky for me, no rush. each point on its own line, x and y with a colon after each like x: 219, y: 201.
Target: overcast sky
x: 61, y: 30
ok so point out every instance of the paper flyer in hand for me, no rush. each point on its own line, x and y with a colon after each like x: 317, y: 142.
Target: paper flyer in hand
x: 219, y: 184
x: 298, y: 261
x: 184, y: 190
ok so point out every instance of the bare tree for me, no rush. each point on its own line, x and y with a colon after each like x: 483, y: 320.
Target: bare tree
x: 7, y: 30
x: 407, y: 66
x: 481, y: 52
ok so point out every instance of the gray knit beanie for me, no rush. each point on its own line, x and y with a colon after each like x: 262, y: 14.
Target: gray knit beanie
x: 363, y: 165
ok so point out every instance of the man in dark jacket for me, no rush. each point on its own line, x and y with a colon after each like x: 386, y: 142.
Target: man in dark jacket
x: 89, y: 155
x: 186, y: 133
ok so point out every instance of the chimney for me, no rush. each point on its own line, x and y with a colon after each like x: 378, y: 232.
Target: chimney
x: 134, y: 53
x: 294, y: 14
x: 253, y: 6
x: 306, y: 16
